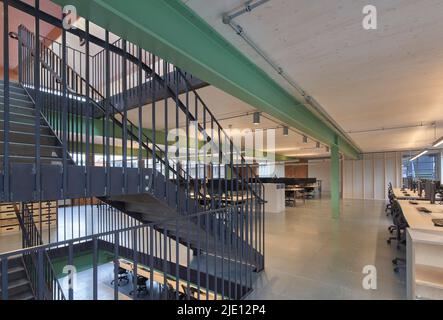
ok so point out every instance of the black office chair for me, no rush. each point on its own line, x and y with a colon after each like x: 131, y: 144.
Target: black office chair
x: 142, y: 289
x: 289, y: 198
x: 391, y: 198
x: 399, y: 226
x: 123, y: 277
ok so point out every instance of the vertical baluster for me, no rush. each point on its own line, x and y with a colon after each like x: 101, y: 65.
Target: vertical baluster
x: 107, y: 114
x: 154, y: 159
x: 116, y: 263
x: 70, y: 275
x: 88, y: 114
x: 165, y: 87
x: 6, y: 193
x: 65, y: 116
x: 124, y: 120
x: 38, y: 106
x: 135, y: 262
x: 140, y: 165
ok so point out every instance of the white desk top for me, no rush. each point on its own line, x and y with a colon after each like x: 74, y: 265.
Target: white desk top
x: 420, y: 220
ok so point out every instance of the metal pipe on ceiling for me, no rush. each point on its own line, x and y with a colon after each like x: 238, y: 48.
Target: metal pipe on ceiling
x: 312, y: 104
x: 248, y: 6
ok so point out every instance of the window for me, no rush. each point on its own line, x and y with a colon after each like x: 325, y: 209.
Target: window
x: 425, y: 167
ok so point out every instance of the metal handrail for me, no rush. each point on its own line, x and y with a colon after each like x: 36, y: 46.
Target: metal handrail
x: 29, y: 244
x: 62, y: 243
x: 101, y: 108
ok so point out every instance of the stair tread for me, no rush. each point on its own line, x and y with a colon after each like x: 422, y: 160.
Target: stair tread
x: 24, y: 123
x: 32, y: 145
x: 20, y: 114
x: 29, y: 157
x: 17, y: 283
x: 13, y: 270
x: 29, y: 133
x: 22, y: 296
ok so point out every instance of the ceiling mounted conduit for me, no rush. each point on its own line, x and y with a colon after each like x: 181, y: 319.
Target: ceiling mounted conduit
x: 311, y: 103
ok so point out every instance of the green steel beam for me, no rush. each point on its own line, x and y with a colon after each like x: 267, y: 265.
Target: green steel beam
x: 169, y: 29
x: 335, y: 181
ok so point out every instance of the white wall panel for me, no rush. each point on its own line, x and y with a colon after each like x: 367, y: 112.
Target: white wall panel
x: 321, y: 169
x: 368, y: 178
x: 357, y: 179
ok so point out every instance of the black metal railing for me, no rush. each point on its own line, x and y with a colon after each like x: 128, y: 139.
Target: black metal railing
x: 161, y: 253
x: 170, y: 139
x: 39, y: 268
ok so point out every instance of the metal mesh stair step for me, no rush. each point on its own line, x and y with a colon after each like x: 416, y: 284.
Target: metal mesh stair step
x: 19, y: 117
x: 24, y: 296
x: 28, y: 149
x: 27, y: 159
x: 21, y: 102
x: 16, y: 285
x: 12, y: 270
x: 24, y: 127
x: 15, y: 94
x: 13, y: 87
x: 29, y: 138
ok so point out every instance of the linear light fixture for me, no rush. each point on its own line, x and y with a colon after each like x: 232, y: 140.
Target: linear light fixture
x: 438, y: 143
x: 419, y: 155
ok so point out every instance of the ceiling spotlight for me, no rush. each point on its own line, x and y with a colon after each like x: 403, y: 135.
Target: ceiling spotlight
x: 438, y: 143
x: 256, y: 118
x: 419, y: 155
x: 285, y: 131
x: 305, y: 139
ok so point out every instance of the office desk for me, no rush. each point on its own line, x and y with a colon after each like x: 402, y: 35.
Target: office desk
x: 424, y: 244
x: 159, y: 278
x: 420, y: 220
x: 294, y: 191
x: 412, y: 195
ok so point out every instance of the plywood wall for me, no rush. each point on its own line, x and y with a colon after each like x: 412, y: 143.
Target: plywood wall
x: 298, y: 170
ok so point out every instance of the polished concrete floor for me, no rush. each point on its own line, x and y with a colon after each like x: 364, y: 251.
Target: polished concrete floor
x: 309, y: 255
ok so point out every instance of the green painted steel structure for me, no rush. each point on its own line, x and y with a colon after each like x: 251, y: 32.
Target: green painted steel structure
x: 169, y: 29
x: 335, y: 181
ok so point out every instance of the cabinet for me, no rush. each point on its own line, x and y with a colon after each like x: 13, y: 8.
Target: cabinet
x: 44, y: 213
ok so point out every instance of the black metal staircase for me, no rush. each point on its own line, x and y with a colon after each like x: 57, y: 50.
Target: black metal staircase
x: 19, y: 286
x: 22, y: 129
x: 67, y: 133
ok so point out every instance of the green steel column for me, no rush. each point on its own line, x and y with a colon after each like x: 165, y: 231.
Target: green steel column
x: 335, y: 181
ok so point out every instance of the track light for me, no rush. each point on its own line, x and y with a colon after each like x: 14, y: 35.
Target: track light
x: 256, y: 118
x: 305, y: 139
x: 13, y: 35
x: 285, y: 131
x: 419, y: 155
x: 438, y: 143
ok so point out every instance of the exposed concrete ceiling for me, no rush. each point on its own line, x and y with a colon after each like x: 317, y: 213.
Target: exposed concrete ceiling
x: 366, y: 80
x: 232, y: 112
